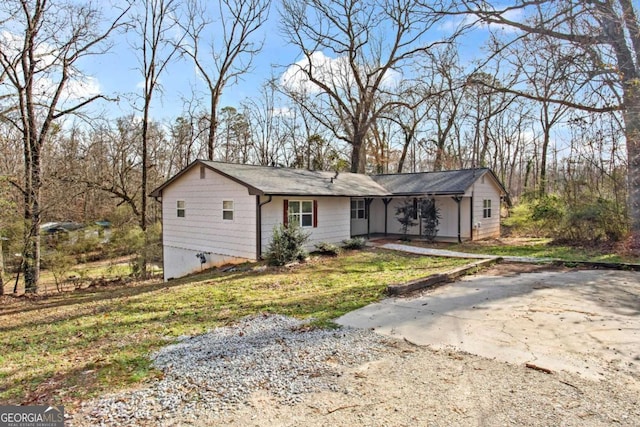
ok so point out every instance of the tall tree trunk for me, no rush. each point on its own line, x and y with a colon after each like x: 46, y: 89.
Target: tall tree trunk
x: 213, y: 123
x: 143, y: 184
x: 359, y: 153
x: 1, y: 269
x: 403, y: 156
x: 32, y: 217
x: 632, y: 132
x: 542, y: 188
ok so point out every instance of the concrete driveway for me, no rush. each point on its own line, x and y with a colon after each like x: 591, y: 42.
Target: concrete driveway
x: 584, y: 321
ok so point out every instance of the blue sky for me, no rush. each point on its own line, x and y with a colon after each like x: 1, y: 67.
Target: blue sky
x: 117, y: 72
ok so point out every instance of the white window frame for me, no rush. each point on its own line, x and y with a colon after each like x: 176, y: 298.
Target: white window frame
x: 360, y: 210
x: 298, y: 217
x: 226, y: 210
x: 181, y: 209
x: 486, y: 208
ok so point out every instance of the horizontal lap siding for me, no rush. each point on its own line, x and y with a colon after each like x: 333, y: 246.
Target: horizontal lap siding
x: 393, y: 225
x: 489, y: 227
x: 448, y: 226
x: 376, y: 216
x: 203, y: 229
x: 334, y: 219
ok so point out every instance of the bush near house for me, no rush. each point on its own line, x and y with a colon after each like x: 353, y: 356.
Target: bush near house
x: 406, y: 214
x: 329, y: 249
x: 354, y: 243
x: 287, y: 245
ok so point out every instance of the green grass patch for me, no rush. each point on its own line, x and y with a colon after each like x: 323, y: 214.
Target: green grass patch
x: 72, y: 346
x: 536, y: 248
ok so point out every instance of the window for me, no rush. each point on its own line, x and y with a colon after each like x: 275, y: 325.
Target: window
x: 181, y: 210
x: 358, y: 209
x: 300, y: 212
x: 227, y: 210
x: 202, y: 172
x: 486, y: 208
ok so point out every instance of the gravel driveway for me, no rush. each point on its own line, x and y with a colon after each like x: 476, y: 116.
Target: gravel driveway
x: 274, y: 371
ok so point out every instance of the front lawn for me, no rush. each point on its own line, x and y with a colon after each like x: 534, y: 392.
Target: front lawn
x: 63, y: 348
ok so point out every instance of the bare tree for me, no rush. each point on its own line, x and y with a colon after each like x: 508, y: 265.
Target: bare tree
x: 546, y: 69
x: 352, y: 51
x: 607, y: 33
x: 265, y: 120
x: 485, y: 102
x: 446, y: 81
x: 156, y: 23
x: 222, y: 60
x: 39, y: 56
x: 408, y: 117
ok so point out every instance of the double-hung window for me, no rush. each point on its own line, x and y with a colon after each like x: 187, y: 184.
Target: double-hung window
x: 180, y: 209
x: 300, y: 212
x: 227, y: 210
x: 358, y: 209
x: 486, y: 208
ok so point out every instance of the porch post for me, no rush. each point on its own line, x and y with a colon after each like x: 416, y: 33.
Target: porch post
x: 458, y: 199
x: 386, y: 202
x: 471, y: 218
x: 367, y: 207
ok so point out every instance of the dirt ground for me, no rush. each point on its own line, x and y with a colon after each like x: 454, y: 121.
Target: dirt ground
x: 422, y: 386
x: 416, y: 385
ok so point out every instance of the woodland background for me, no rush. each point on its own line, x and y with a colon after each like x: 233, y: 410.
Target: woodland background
x: 550, y: 102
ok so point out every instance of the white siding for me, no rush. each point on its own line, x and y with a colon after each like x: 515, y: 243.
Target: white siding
x: 376, y: 212
x: 202, y: 230
x: 448, y: 227
x: 485, y: 228
x: 334, y: 219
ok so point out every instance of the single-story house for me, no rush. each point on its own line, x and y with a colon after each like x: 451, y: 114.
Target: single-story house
x: 215, y: 213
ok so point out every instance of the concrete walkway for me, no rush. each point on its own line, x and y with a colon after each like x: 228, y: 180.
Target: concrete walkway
x: 452, y: 254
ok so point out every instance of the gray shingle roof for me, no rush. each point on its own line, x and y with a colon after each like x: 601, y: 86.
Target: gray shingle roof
x: 287, y: 181
x: 436, y: 183
x: 293, y: 182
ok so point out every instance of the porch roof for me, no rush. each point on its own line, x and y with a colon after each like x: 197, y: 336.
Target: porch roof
x: 432, y: 183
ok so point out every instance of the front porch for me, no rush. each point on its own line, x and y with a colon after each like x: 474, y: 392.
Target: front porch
x: 378, y: 217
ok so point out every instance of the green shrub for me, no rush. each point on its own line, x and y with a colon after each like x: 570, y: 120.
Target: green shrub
x: 594, y: 222
x: 548, y: 212
x: 585, y: 221
x: 59, y: 264
x: 536, y: 217
x: 85, y: 245
x: 126, y: 240
x: 354, y: 243
x: 328, y: 249
x: 430, y: 215
x: 286, y: 245
x: 406, y: 214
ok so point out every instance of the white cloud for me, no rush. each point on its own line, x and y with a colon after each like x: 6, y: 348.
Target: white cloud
x: 84, y: 87
x: 334, y: 72
x: 48, y: 70
x: 283, y: 112
x: 451, y: 25
x: 322, y: 67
